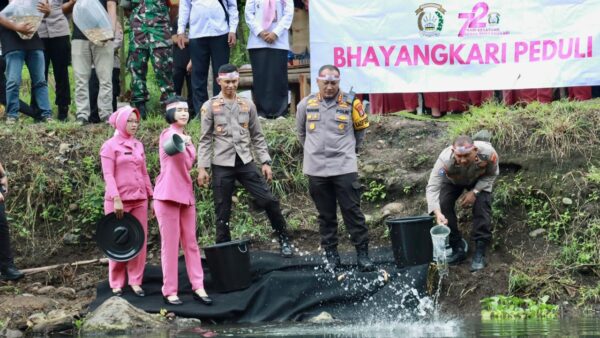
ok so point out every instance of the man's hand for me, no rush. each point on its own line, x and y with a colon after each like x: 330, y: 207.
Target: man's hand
x: 188, y: 68
x: 24, y: 28
x: 44, y: 7
x: 118, y: 207
x: 231, y: 39
x: 468, y: 199
x: 1, y: 197
x: 440, y: 218
x: 181, y: 41
x: 203, y: 178
x: 267, y: 173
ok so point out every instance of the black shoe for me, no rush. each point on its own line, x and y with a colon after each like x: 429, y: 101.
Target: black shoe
x: 63, y: 113
x: 458, y: 255
x: 478, y: 262
x: 204, y: 300
x: 139, y: 293
x: 11, y: 273
x: 362, y: 259
x: 332, y: 260
x: 285, y: 247
x: 172, y: 302
x: 117, y: 292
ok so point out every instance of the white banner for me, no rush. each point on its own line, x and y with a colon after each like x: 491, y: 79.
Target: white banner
x: 402, y: 46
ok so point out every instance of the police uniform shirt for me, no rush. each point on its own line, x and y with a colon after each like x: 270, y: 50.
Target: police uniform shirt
x: 230, y: 129
x: 328, y: 131
x: 480, y: 173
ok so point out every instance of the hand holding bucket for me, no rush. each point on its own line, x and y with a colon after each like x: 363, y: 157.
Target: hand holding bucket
x: 174, y: 145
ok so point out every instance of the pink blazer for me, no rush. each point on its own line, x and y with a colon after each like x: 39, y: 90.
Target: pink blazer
x: 124, y: 169
x: 174, y: 182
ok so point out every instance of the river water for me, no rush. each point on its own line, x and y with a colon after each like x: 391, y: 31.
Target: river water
x: 449, y: 328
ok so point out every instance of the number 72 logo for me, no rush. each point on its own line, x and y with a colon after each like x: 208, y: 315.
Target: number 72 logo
x: 474, y: 18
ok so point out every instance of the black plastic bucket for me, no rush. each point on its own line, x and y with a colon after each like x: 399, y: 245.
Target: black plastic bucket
x: 229, y: 265
x: 411, y: 241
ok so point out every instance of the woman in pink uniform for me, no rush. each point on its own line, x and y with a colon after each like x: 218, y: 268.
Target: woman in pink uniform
x: 128, y: 189
x: 175, y: 208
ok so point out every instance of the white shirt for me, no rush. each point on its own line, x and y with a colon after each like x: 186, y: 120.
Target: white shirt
x: 206, y: 18
x: 279, y: 26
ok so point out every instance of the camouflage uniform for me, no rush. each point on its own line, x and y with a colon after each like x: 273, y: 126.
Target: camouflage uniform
x: 150, y: 37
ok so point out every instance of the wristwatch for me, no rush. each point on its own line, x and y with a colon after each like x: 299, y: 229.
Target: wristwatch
x: 267, y: 162
x: 476, y: 192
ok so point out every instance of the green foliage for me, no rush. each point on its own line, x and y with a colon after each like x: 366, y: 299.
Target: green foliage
x: 511, y: 307
x: 562, y: 128
x: 78, y: 324
x: 593, y: 175
x: 375, y: 192
x: 581, y: 247
x: 588, y: 295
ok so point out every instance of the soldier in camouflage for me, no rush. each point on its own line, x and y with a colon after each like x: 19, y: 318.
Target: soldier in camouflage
x: 150, y: 39
x: 465, y: 165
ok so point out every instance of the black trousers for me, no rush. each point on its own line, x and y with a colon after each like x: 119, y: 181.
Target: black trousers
x: 345, y: 189
x: 270, y: 81
x: 180, y: 75
x: 23, y: 107
x: 94, y: 87
x: 6, y: 258
x: 247, y: 174
x: 202, y: 52
x: 482, y: 213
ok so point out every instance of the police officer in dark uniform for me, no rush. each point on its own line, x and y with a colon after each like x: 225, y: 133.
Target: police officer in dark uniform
x: 330, y: 126
x: 231, y: 127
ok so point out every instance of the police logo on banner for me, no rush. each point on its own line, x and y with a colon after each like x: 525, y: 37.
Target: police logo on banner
x: 430, y: 19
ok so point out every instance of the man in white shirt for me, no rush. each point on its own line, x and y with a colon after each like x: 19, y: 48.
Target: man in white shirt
x: 212, y: 27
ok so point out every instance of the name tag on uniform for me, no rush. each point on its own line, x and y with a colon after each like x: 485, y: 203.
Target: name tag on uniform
x: 343, y: 111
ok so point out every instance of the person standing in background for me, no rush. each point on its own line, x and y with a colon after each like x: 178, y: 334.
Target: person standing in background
x: 268, y: 46
x: 212, y: 27
x: 150, y: 40
x: 54, y: 31
x: 116, y: 81
x: 85, y: 54
x: 182, y: 70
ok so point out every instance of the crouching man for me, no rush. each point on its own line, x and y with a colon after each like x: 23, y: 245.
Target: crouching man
x: 470, y: 166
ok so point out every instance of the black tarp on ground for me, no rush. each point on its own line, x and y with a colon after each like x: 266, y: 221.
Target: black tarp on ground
x: 290, y: 289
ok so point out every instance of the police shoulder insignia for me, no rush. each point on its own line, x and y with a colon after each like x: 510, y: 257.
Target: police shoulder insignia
x: 442, y: 172
x: 203, y: 111
x: 359, y: 108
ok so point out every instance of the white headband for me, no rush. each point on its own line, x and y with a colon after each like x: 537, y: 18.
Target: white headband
x: 178, y: 104
x: 229, y: 76
x: 462, y: 150
x: 328, y: 77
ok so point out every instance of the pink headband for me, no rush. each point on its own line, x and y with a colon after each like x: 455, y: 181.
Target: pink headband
x: 229, y: 76
x: 328, y: 77
x: 462, y: 150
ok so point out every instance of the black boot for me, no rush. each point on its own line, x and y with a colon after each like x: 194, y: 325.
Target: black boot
x: 332, y: 259
x: 63, y: 113
x: 223, y: 233
x: 10, y: 272
x: 478, y: 262
x: 284, y: 246
x: 458, y: 253
x: 362, y: 258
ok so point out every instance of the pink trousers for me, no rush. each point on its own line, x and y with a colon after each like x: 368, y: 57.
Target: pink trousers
x: 177, y: 223
x: 133, y: 270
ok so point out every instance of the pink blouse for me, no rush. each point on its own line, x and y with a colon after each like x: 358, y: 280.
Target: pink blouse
x: 124, y: 169
x: 174, y: 182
